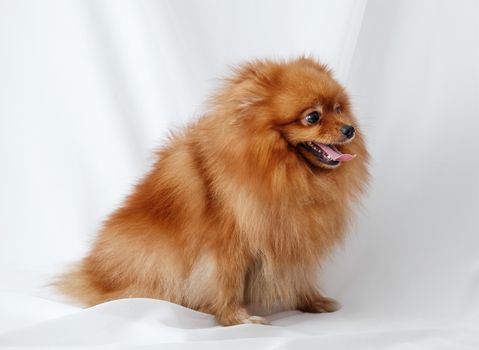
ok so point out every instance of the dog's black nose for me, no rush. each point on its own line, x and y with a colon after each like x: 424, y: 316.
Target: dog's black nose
x: 347, y: 130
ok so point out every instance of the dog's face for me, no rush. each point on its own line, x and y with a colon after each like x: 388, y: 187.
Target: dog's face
x: 309, y: 109
x: 317, y: 120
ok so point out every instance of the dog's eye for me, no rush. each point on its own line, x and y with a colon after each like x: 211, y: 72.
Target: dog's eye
x: 338, y: 109
x: 313, y: 117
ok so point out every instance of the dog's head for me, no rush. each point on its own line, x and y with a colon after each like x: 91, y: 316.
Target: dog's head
x: 302, y: 103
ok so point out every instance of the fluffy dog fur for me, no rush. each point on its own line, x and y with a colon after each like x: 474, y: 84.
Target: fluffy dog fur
x: 235, y: 211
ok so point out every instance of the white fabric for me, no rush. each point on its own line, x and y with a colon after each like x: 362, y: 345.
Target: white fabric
x: 89, y: 88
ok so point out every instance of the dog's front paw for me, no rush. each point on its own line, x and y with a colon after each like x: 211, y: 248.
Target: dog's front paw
x: 321, y: 304
x: 240, y: 316
x: 255, y: 320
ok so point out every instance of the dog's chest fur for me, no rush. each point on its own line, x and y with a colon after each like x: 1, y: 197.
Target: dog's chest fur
x: 286, y: 243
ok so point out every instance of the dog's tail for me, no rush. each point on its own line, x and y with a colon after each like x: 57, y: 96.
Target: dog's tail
x: 77, y: 286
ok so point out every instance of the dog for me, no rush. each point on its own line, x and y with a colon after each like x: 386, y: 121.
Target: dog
x: 241, y: 206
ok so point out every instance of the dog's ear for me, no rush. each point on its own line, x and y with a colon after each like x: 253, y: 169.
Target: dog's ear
x: 251, y: 83
x: 313, y: 63
x: 261, y: 72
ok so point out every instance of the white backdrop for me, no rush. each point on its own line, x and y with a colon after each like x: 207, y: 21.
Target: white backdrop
x: 89, y: 88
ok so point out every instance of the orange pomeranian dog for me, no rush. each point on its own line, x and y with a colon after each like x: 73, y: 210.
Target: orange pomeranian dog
x: 242, y: 206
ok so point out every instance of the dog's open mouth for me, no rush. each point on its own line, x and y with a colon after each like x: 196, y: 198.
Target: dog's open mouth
x: 327, y: 154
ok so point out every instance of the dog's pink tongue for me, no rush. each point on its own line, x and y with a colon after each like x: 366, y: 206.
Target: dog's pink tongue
x: 335, y: 154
